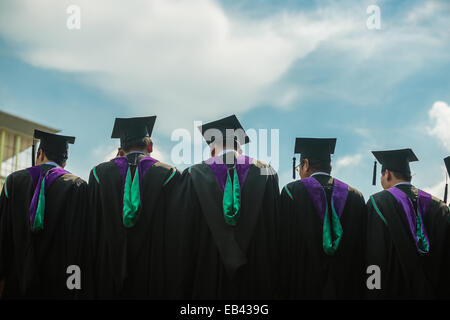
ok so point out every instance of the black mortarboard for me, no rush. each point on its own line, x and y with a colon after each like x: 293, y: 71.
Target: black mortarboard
x: 54, y: 143
x: 447, y: 164
x: 395, y: 160
x: 128, y: 129
x: 315, y: 148
x: 318, y: 149
x: 224, y: 125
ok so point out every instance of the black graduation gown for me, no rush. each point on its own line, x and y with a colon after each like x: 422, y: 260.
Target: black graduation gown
x: 216, y: 260
x: 307, y: 271
x: 130, y: 262
x: 406, y: 273
x: 34, y: 264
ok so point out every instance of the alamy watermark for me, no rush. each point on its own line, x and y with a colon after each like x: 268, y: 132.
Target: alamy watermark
x: 73, y: 21
x: 373, y: 22
x: 190, y: 148
x: 73, y: 281
x: 374, y: 280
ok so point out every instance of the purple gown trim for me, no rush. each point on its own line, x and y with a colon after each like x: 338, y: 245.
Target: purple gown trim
x: 317, y: 194
x: 220, y: 169
x: 35, y: 173
x: 423, y: 204
x: 37, y: 176
x: 143, y: 166
x: 122, y: 166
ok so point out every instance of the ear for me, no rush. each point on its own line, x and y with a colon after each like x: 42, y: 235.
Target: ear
x: 306, y: 165
x: 150, y: 148
x: 213, y: 152
x: 41, y: 155
x: 388, y: 175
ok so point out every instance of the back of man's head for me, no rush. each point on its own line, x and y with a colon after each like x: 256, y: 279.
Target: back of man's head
x: 319, y: 165
x: 404, y: 177
x: 58, y: 158
x: 142, y: 145
x: 224, y: 144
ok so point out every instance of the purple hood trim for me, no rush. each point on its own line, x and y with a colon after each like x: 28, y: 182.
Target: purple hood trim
x: 37, y: 176
x: 220, y: 169
x: 423, y: 204
x: 317, y: 194
x: 143, y: 166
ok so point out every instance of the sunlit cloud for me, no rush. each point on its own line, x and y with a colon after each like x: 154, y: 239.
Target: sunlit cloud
x: 440, y: 117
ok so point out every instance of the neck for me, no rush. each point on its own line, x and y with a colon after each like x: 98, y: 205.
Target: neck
x: 40, y: 162
x: 400, y: 182
x: 51, y: 163
x: 308, y: 175
x: 138, y: 151
x: 220, y: 152
x: 319, y: 172
x: 395, y: 182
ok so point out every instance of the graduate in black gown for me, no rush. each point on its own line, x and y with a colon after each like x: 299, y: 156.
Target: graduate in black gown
x: 407, y: 234
x: 42, y: 225
x: 323, y: 221
x: 227, y: 226
x: 128, y: 199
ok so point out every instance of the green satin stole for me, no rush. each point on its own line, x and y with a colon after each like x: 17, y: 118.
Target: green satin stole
x: 232, y: 199
x: 131, y: 199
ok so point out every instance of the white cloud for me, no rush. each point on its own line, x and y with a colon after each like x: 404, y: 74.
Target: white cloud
x: 426, y: 11
x: 285, y: 177
x: 363, y: 132
x: 437, y: 189
x: 346, y: 161
x: 440, y: 116
x: 190, y: 59
x: 159, y: 155
x: 367, y: 64
x: 287, y: 98
x: 187, y: 58
x: 111, y: 155
x: 106, y: 153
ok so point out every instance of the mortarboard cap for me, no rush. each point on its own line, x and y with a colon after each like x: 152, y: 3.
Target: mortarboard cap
x: 54, y: 143
x: 128, y: 129
x: 314, y: 149
x: 447, y: 164
x: 395, y: 160
x: 224, y: 126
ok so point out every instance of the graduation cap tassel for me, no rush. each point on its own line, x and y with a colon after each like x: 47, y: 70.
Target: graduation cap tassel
x: 293, y: 167
x: 446, y: 190
x: 374, y: 181
x: 33, y: 154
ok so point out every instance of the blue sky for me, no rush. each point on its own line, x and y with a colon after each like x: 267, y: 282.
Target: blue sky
x: 307, y: 68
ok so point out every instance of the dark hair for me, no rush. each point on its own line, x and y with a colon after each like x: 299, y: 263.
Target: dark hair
x: 58, y: 158
x: 235, y: 144
x: 139, y: 144
x: 400, y: 175
x: 318, y: 165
